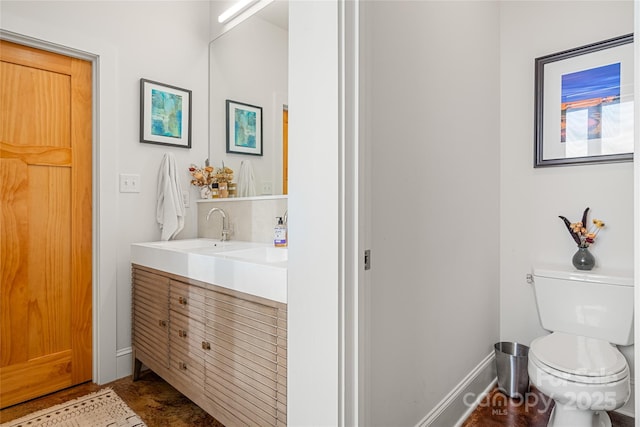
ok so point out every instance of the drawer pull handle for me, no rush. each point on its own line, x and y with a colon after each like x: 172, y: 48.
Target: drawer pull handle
x: 182, y: 300
x: 162, y: 323
x: 182, y: 334
x: 206, y: 345
x: 182, y: 366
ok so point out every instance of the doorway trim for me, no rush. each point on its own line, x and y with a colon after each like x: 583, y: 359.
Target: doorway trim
x: 104, y: 268
x: 636, y: 192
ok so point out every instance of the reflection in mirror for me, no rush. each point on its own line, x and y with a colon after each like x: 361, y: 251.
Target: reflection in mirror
x: 248, y: 64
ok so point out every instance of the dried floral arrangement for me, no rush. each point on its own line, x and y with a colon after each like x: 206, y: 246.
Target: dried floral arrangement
x: 208, y: 175
x: 202, y: 177
x: 581, y: 235
x: 223, y: 174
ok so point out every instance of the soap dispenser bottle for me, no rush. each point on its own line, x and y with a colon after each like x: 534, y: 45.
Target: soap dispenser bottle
x: 280, y: 234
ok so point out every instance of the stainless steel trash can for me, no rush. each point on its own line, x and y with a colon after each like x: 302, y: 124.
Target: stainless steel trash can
x: 511, y: 362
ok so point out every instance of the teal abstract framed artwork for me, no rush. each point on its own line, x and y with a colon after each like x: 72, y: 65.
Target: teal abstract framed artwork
x: 165, y: 114
x: 244, y: 128
x: 584, y: 105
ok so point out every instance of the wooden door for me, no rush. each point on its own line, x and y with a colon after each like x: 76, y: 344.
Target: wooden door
x: 45, y: 222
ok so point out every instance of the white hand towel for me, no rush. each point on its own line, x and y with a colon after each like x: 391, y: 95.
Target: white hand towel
x: 169, y: 208
x: 246, y: 180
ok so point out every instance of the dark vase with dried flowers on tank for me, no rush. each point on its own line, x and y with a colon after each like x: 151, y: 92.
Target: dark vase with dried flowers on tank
x: 584, y: 236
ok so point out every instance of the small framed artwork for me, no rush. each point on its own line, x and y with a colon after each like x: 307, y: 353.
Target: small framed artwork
x: 165, y: 114
x: 584, y: 104
x: 244, y: 128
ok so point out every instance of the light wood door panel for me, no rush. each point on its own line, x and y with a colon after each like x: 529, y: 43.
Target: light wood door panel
x: 45, y: 222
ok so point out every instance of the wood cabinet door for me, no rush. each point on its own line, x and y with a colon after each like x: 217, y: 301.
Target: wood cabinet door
x: 150, y: 320
x: 45, y: 222
x: 242, y: 366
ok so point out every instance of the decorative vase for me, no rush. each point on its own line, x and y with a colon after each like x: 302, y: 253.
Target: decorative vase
x: 205, y: 192
x: 223, y: 191
x: 583, y: 259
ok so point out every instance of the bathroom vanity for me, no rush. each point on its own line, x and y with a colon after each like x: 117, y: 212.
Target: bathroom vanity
x: 222, y: 347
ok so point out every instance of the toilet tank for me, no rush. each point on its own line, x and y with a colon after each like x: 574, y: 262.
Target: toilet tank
x: 596, y: 304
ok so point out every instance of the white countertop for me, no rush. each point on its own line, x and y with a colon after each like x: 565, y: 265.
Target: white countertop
x: 258, y: 269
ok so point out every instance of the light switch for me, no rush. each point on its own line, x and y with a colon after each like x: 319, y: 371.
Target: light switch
x: 129, y: 183
x: 267, y: 188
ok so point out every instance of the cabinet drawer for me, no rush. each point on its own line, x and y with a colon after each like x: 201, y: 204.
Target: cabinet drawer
x: 187, y: 370
x: 186, y: 335
x: 187, y: 299
x: 186, y: 355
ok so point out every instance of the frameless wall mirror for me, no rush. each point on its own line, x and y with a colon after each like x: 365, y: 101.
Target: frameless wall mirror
x: 248, y: 65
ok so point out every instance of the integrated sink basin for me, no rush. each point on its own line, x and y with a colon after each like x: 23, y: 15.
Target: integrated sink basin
x: 255, y: 268
x: 198, y: 244
x: 262, y: 255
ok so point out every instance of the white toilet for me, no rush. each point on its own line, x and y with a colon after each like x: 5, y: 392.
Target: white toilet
x: 578, y: 365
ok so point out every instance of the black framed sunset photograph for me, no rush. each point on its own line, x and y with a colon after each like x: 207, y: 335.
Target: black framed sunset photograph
x: 584, y: 104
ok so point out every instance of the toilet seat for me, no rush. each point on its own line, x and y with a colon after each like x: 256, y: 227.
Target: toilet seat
x: 578, y: 379
x: 578, y: 359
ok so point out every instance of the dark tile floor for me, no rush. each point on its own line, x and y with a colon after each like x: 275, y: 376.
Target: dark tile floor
x: 160, y: 405
x: 497, y: 410
x: 155, y: 401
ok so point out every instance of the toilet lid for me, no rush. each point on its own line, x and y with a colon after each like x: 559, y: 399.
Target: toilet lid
x: 577, y: 355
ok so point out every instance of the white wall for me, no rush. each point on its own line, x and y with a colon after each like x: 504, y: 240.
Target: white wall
x: 314, y: 281
x: 432, y: 91
x: 531, y: 199
x: 165, y: 41
x: 249, y: 65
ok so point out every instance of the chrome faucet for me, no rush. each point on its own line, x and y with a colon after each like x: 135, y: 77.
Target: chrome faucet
x: 286, y: 217
x: 226, y: 232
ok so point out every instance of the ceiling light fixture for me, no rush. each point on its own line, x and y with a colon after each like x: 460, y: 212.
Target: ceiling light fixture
x: 234, y: 10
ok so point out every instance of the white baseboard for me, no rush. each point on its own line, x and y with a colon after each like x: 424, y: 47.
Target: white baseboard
x: 124, y: 362
x: 465, y: 397
x: 456, y: 407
